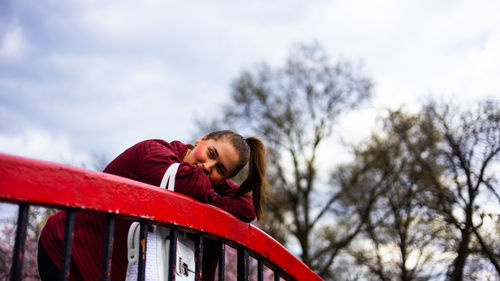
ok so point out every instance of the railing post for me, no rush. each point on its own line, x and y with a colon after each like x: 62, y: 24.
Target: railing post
x: 243, y: 261
x: 108, y: 247
x: 172, y: 254
x: 18, y: 254
x: 69, y: 226
x: 277, y: 275
x: 27, y: 182
x: 143, y: 239
x: 260, y: 270
x: 222, y: 261
x: 198, y: 258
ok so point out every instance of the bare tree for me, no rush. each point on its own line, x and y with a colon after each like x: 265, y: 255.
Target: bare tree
x: 399, y: 237
x: 470, y: 151
x: 294, y: 109
x: 440, y: 193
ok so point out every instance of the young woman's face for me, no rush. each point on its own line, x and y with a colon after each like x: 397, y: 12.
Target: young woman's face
x: 218, y: 158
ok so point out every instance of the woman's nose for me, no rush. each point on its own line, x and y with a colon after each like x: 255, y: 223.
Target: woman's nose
x: 207, y: 166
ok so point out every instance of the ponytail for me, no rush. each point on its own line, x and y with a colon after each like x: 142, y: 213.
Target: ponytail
x: 253, y: 151
x: 256, y: 180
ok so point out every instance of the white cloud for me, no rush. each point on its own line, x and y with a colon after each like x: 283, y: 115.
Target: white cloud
x: 121, y: 99
x: 475, y: 73
x: 39, y: 144
x: 117, y: 73
x: 12, y: 44
x: 413, y: 49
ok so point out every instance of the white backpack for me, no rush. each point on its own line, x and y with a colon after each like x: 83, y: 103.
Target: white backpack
x: 158, y: 245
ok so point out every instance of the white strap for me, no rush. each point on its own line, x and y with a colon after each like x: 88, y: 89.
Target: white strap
x: 133, y: 242
x: 169, y: 177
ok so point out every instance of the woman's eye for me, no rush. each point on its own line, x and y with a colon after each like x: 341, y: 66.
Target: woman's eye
x: 219, y: 169
x: 211, y: 154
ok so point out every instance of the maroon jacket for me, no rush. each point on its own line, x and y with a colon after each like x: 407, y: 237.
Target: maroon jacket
x: 146, y: 162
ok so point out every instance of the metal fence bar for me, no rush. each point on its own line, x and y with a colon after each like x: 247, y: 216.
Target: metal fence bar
x: 172, y: 254
x: 277, y: 275
x: 260, y: 270
x: 143, y: 237
x: 108, y: 247
x: 243, y: 261
x: 69, y: 226
x: 18, y: 254
x: 198, y: 257
x: 222, y: 261
x: 27, y: 181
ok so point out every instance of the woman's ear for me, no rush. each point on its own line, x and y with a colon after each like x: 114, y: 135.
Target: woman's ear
x: 200, y: 140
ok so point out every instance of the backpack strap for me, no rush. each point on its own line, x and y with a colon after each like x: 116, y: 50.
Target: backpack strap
x: 169, y: 177
x: 133, y: 233
x: 133, y: 242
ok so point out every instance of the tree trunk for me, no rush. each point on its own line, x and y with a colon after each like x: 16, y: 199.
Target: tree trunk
x: 457, y: 273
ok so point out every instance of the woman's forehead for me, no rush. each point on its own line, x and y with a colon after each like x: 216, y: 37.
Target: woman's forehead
x: 227, y: 152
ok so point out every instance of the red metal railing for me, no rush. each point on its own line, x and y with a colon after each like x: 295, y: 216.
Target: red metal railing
x: 35, y: 182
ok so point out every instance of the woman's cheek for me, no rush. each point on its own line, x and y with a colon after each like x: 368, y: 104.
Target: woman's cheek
x: 195, y: 157
x: 215, y: 179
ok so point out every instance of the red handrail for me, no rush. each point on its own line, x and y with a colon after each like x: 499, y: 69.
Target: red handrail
x: 47, y: 183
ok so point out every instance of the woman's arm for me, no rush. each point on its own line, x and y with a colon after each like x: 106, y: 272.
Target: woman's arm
x: 227, y: 199
x: 192, y: 181
x: 147, y: 162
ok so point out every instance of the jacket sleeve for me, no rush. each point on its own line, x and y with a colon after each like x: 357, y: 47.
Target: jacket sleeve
x: 227, y: 199
x: 191, y: 180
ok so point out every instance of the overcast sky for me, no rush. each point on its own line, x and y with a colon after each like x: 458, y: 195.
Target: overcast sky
x: 79, y: 78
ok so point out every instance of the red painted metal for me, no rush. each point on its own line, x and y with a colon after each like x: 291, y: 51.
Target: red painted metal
x: 47, y: 183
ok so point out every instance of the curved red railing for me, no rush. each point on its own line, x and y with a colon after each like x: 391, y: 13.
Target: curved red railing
x: 51, y: 184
